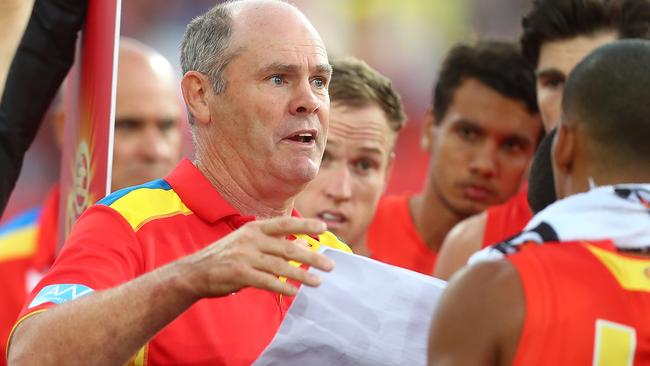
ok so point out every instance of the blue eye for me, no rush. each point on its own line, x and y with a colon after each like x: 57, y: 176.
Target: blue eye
x: 277, y: 79
x: 319, y: 82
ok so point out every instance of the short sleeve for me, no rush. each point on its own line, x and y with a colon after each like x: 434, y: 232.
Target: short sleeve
x: 101, y: 252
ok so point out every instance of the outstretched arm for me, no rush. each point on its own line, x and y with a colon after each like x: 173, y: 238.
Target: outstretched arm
x: 108, y: 327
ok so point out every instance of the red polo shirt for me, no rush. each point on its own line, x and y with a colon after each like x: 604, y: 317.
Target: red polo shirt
x: 138, y: 229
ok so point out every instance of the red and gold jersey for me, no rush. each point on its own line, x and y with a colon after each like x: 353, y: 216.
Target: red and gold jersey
x: 586, y: 304
x: 507, y: 219
x: 138, y: 229
x: 27, y: 248
x: 393, y: 238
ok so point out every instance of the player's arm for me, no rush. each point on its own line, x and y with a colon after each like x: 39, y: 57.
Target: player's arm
x: 108, y: 327
x: 13, y: 18
x: 462, y: 241
x: 479, y: 317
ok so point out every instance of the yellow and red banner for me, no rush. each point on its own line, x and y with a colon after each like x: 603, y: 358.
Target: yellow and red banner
x: 89, y: 112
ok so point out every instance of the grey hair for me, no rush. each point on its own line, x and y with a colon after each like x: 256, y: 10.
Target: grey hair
x: 205, y: 44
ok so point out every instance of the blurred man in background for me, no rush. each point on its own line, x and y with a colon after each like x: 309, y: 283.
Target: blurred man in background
x: 481, y: 133
x: 574, y: 288
x: 146, y: 146
x: 365, y: 118
x: 556, y: 36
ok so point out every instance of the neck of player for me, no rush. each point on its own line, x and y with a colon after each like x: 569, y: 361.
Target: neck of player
x: 431, y: 217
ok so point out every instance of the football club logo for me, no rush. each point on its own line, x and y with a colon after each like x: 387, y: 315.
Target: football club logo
x: 58, y: 294
x: 78, y: 198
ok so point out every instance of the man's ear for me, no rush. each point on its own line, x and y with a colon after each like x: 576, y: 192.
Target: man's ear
x: 429, y: 128
x: 197, y: 90
x: 563, y: 150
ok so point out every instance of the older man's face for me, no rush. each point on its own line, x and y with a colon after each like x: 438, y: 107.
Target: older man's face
x: 273, y: 115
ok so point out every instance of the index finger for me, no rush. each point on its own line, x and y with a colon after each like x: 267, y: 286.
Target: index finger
x: 283, y: 226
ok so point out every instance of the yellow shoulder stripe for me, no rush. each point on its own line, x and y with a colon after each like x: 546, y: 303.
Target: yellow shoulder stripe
x: 140, y: 358
x: 18, y: 244
x: 143, y: 205
x: 631, y: 273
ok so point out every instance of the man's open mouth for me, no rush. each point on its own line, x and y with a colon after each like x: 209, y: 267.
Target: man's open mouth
x: 332, y: 217
x: 303, y: 137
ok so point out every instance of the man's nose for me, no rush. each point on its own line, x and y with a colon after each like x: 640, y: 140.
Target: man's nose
x: 484, y: 160
x: 305, y: 101
x: 154, y: 146
x: 338, y: 186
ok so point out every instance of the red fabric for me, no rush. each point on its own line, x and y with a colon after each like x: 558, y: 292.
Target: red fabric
x: 393, y: 238
x: 507, y: 219
x: 48, y: 232
x: 14, y: 273
x: 104, y: 251
x: 566, y: 288
x: 14, y: 293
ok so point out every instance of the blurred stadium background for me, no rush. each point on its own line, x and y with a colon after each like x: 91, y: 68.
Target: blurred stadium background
x: 403, y: 39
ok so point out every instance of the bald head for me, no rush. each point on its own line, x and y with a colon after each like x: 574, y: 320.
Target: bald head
x: 147, y: 116
x: 145, y: 73
x: 607, y: 97
x: 255, y: 17
x: 213, y: 39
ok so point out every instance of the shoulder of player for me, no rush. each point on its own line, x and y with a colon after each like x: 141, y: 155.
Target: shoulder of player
x: 461, y: 242
x: 498, y: 280
x: 480, y: 312
x: 141, y: 204
x: 469, y: 232
x: 493, y: 300
x: 21, y: 221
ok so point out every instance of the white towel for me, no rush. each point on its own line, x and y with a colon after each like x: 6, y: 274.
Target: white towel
x: 620, y: 213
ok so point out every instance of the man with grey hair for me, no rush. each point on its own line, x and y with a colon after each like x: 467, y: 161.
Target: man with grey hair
x: 195, y: 268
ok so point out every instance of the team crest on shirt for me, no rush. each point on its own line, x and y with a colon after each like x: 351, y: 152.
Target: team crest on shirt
x: 78, y: 198
x: 60, y: 293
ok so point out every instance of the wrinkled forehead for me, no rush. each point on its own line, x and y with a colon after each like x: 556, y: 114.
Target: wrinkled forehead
x: 360, y: 127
